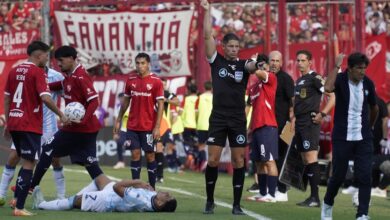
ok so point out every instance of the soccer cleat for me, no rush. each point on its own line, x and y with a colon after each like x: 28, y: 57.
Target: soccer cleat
x: 2, y: 201
x: 12, y: 203
x: 378, y: 192
x: 363, y: 217
x: 350, y: 190
x: 22, y: 212
x: 209, y: 209
x: 160, y: 180
x: 13, y: 189
x: 310, y: 202
x: 37, y: 197
x: 281, y: 197
x: 237, y: 210
x: 267, y: 198
x: 119, y: 165
x: 254, y: 188
x: 326, y: 212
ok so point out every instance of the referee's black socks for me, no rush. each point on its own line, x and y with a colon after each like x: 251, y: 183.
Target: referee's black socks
x: 313, y: 174
x: 211, y: 176
x: 238, y: 184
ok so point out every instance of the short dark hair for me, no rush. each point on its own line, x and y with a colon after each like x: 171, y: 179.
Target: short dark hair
x: 357, y: 58
x: 208, y: 85
x: 143, y: 55
x: 37, y: 45
x: 65, y: 51
x: 120, y: 95
x: 262, y: 58
x: 228, y: 37
x: 169, y: 206
x: 305, y: 52
x: 192, y: 88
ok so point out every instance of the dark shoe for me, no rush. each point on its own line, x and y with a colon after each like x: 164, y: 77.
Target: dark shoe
x: 254, y: 188
x: 237, y: 210
x: 209, y: 209
x: 310, y: 202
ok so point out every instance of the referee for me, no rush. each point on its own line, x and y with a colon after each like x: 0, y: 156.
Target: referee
x: 354, y: 117
x: 308, y: 92
x: 229, y: 81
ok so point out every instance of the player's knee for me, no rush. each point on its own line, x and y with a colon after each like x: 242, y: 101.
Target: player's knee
x: 150, y: 156
x: 238, y: 162
x: 56, y: 162
x: 136, y: 155
x: 212, y: 163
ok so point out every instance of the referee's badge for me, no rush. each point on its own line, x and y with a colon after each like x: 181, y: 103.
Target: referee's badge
x: 223, y: 72
x: 306, y: 145
x: 238, y: 75
x: 240, y: 139
x: 303, y: 94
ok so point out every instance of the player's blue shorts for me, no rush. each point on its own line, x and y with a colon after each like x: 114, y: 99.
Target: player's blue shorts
x: 122, y: 141
x: 264, y: 146
x: 27, y: 144
x: 167, y: 137
x: 140, y: 140
x: 81, y: 147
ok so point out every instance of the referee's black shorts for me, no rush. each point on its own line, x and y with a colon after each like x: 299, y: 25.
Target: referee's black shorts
x: 307, y: 135
x: 230, y: 125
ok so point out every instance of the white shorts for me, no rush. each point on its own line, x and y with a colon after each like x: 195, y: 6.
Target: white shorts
x: 44, y: 138
x: 97, y: 201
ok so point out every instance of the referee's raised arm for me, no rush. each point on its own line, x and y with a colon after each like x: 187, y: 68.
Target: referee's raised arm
x: 207, y: 30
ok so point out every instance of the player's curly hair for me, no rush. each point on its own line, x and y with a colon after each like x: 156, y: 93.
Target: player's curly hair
x: 65, y: 51
x: 357, y: 59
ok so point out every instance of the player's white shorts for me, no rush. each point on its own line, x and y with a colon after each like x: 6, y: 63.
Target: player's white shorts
x: 98, y: 201
x: 46, y: 136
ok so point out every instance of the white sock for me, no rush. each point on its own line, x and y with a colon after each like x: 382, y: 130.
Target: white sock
x: 58, y: 204
x: 90, y: 188
x: 6, y: 178
x: 59, y: 179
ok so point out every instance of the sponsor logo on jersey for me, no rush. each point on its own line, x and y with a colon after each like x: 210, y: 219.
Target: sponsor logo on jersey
x: 135, y: 93
x: 16, y: 113
x: 223, y: 72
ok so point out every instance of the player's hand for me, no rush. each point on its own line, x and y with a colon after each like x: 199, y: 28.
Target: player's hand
x: 339, y: 59
x: 117, y: 126
x: 6, y: 134
x: 317, y: 119
x: 205, y: 4
x: 156, y: 133
x: 65, y: 120
x: 115, y: 137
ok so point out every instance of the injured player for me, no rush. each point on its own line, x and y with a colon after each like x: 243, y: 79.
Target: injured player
x: 105, y: 195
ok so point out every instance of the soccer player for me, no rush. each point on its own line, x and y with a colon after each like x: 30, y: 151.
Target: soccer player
x: 78, y: 139
x: 145, y: 90
x: 308, y: 116
x: 49, y: 128
x: 355, y: 113
x: 104, y: 195
x: 264, y: 128
x: 25, y: 90
x: 189, y: 119
x: 121, y: 137
x: 229, y: 79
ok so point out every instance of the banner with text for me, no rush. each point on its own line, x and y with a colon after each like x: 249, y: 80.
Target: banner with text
x: 13, y: 44
x: 119, y: 36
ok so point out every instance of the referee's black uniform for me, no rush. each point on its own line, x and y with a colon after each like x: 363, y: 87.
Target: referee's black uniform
x: 352, y: 137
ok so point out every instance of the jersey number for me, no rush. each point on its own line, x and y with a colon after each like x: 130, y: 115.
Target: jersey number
x: 18, y: 95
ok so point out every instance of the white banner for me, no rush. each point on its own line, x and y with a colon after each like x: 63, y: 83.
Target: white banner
x: 118, y: 37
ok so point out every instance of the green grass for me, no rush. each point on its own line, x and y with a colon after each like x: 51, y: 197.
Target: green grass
x: 190, y: 207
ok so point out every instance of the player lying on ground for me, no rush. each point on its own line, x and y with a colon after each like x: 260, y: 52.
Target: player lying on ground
x: 105, y: 195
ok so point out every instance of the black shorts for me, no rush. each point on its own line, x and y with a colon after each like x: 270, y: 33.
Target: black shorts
x: 141, y: 140
x: 231, y: 125
x: 307, y: 138
x: 190, y: 137
x: 81, y: 147
x: 167, y: 137
x: 202, y: 136
x: 27, y: 144
x: 264, y: 146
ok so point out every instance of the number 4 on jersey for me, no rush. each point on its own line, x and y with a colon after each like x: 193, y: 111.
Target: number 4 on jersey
x: 18, y: 95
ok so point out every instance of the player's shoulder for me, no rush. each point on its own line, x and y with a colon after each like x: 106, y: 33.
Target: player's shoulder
x: 155, y: 78
x: 132, y: 76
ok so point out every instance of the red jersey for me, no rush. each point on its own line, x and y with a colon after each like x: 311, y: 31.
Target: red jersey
x: 144, y: 93
x: 78, y: 87
x: 25, y: 85
x: 262, y: 98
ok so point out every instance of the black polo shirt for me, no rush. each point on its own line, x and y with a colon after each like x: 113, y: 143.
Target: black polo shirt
x: 284, y: 93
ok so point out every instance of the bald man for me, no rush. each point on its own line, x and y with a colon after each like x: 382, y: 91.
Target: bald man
x: 284, y: 111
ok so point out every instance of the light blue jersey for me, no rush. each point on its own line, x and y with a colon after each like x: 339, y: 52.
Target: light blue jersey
x: 106, y: 200
x: 49, y: 117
